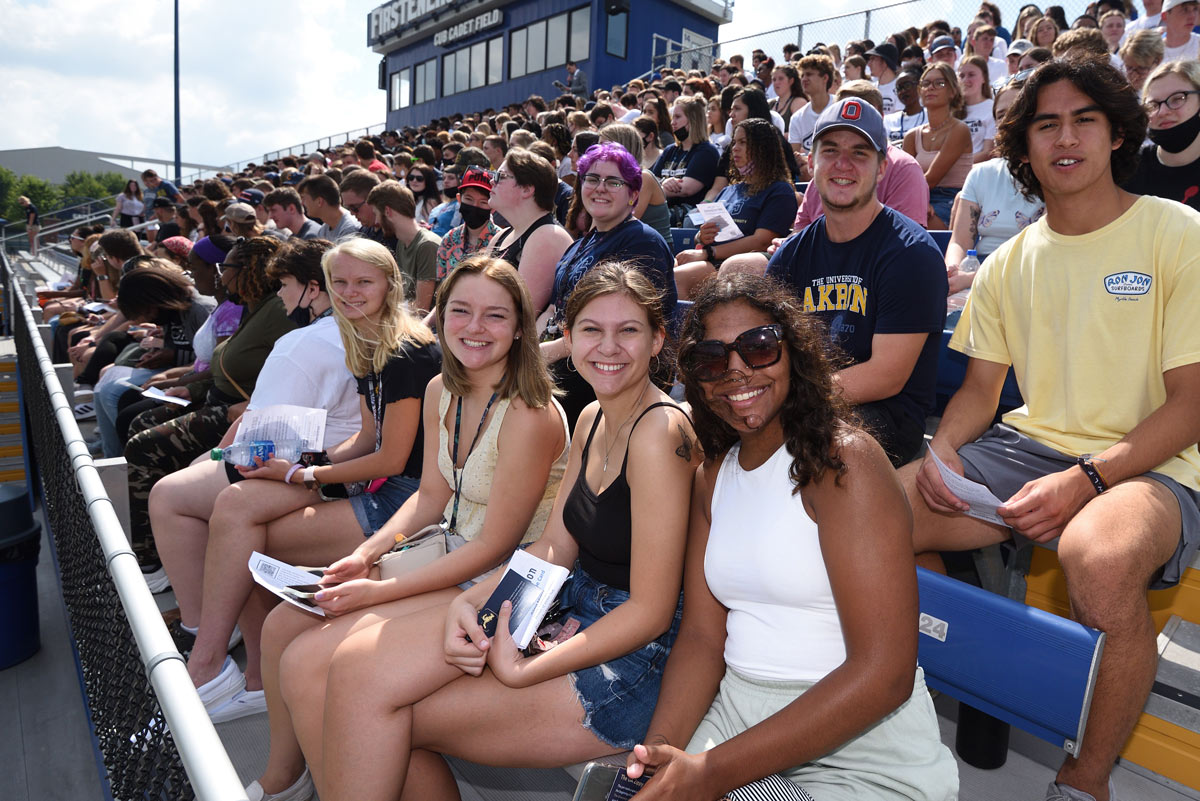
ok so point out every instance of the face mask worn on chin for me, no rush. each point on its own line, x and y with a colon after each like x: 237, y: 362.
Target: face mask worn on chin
x: 474, y: 216
x: 681, y: 134
x: 1177, y: 138
x: 301, y: 315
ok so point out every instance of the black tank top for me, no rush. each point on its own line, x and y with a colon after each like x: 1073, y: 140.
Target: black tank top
x: 511, y: 252
x: 602, y: 525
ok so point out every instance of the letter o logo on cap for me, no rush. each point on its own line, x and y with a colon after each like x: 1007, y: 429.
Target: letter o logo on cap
x: 852, y: 110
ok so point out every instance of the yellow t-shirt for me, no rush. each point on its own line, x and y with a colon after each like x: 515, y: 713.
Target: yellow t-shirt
x: 1090, y: 323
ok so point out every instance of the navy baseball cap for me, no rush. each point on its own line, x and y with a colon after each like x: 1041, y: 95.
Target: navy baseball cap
x: 856, y: 115
x: 252, y: 196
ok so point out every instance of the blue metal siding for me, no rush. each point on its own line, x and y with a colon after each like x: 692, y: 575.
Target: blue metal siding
x: 646, y: 18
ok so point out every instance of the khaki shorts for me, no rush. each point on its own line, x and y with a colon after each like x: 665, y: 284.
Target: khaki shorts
x: 900, y: 758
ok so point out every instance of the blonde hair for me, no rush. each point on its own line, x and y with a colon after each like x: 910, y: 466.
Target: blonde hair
x: 1188, y: 70
x: 695, y: 108
x: 526, y: 375
x: 625, y: 135
x: 397, y: 328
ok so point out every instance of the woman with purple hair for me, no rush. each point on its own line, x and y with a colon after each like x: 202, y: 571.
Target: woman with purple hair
x: 610, y: 180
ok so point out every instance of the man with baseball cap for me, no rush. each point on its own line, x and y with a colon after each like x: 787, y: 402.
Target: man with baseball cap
x: 883, y: 61
x: 477, y: 229
x: 164, y: 214
x: 943, y: 49
x: 1179, y: 42
x: 875, y: 276
x: 1015, y: 50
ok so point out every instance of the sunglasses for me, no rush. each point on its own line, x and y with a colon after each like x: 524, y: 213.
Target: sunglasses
x: 757, y: 348
x: 416, y: 176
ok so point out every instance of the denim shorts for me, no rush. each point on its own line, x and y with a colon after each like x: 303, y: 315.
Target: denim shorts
x: 618, y: 697
x: 942, y: 199
x: 373, y: 509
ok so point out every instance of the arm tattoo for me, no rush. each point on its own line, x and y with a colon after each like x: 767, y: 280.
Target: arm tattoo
x: 974, y: 222
x: 684, y: 451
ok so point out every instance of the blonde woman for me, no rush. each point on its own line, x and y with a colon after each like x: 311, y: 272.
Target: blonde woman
x: 942, y: 146
x: 294, y: 513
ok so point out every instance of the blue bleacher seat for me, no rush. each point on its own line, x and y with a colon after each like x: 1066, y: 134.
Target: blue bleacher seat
x: 942, y: 238
x: 952, y: 369
x: 1019, y: 664
x: 802, y: 186
x: 683, y: 239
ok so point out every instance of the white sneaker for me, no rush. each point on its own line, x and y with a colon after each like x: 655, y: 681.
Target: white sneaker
x: 301, y: 790
x: 1065, y: 792
x: 157, y: 580
x: 224, y: 687
x: 85, y: 411
x: 244, y: 704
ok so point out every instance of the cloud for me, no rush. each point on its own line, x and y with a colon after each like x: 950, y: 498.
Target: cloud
x: 256, y: 75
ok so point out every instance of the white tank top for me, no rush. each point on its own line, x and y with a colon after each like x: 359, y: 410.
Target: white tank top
x: 764, y: 563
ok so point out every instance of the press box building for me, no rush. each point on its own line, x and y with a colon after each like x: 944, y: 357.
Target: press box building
x: 448, y: 56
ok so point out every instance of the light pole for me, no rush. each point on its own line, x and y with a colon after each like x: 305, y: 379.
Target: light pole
x: 178, y: 157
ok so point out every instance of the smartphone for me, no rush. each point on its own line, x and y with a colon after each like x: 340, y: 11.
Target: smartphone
x: 308, y: 590
x: 601, y: 782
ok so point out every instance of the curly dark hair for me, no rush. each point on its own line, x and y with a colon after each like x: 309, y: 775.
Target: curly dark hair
x: 301, y: 259
x: 764, y: 153
x: 1106, y: 87
x: 253, y: 282
x: 813, y: 414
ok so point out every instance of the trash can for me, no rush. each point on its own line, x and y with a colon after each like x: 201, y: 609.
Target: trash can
x: 20, y: 541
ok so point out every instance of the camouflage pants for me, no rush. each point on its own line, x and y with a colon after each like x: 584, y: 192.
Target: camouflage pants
x: 161, y: 441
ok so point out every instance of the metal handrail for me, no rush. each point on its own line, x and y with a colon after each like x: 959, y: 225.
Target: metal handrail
x: 318, y: 144
x: 60, y: 227
x: 204, y: 758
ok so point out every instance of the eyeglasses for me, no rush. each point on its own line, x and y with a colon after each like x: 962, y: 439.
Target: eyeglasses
x: 1174, y: 101
x: 938, y: 84
x: 500, y: 177
x: 354, y: 207
x: 222, y: 266
x: 416, y: 176
x: 757, y: 348
x: 611, y: 184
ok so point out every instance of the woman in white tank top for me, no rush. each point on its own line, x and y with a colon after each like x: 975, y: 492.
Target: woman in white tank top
x: 795, y: 670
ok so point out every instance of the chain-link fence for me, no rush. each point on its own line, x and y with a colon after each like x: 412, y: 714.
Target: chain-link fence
x: 124, y: 674
x: 874, y: 23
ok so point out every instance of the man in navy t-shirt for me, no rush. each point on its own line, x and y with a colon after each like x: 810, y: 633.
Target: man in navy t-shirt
x: 875, y: 276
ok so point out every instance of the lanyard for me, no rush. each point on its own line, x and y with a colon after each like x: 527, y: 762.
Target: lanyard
x: 458, y: 472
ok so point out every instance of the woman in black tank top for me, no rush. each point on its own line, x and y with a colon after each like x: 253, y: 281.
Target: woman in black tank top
x: 523, y: 193
x: 595, y: 691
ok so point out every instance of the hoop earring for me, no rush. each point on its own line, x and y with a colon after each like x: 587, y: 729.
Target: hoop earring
x: 571, y: 366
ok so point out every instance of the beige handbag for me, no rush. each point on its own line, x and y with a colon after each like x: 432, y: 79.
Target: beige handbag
x: 413, y: 553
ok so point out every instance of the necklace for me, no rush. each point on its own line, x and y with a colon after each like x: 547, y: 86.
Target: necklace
x: 932, y: 131
x: 616, y: 434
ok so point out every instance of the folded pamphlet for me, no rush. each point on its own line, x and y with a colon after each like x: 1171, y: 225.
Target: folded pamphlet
x: 531, y: 584
x: 294, y: 584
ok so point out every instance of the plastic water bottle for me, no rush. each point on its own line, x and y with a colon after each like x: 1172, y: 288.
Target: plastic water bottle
x: 244, y: 453
x: 970, y: 264
x: 956, y: 302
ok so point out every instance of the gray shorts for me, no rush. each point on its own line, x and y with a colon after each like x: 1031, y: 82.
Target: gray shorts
x: 1005, y: 460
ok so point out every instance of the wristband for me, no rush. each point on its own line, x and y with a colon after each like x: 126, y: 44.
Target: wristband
x: 310, y: 480
x: 291, y: 472
x: 710, y: 255
x: 1093, y: 474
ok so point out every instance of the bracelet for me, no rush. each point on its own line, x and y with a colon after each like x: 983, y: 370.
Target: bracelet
x: 1089, y: 470
x: 291, y: 472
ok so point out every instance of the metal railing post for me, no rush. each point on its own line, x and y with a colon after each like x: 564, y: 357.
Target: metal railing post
x: 867, y: 24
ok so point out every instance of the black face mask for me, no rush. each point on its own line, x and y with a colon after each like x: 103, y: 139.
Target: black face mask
x: 1178, y: 138
x: 301, y: 315
x: 450, y: 193
x: 474, y: 216
x: 681, y: 134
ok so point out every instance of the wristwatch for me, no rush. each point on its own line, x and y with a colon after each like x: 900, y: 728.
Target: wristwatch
x: 1092, y: 472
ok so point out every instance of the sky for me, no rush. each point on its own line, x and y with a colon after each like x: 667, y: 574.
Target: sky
x: 97, y: 74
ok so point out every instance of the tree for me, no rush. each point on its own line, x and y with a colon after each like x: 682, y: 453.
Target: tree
x: 8, y: 197
x: 82, y: 185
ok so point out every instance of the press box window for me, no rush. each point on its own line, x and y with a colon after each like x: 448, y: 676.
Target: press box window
x: 425, y: 81
x: 472, y: 67
x: 400, y: 89
x: 550, y: 43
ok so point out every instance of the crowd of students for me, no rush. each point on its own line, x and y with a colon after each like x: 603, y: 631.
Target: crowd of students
x: 487, y: 309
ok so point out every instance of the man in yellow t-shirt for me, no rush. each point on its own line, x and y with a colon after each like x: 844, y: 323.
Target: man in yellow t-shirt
x: 1093, y: 306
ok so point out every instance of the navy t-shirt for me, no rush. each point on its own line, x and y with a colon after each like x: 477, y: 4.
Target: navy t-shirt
x: 774, y: 208
x: 404, y: 376
x: 632, y: 240
x: 700, y: 162
x: 890, y: 279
